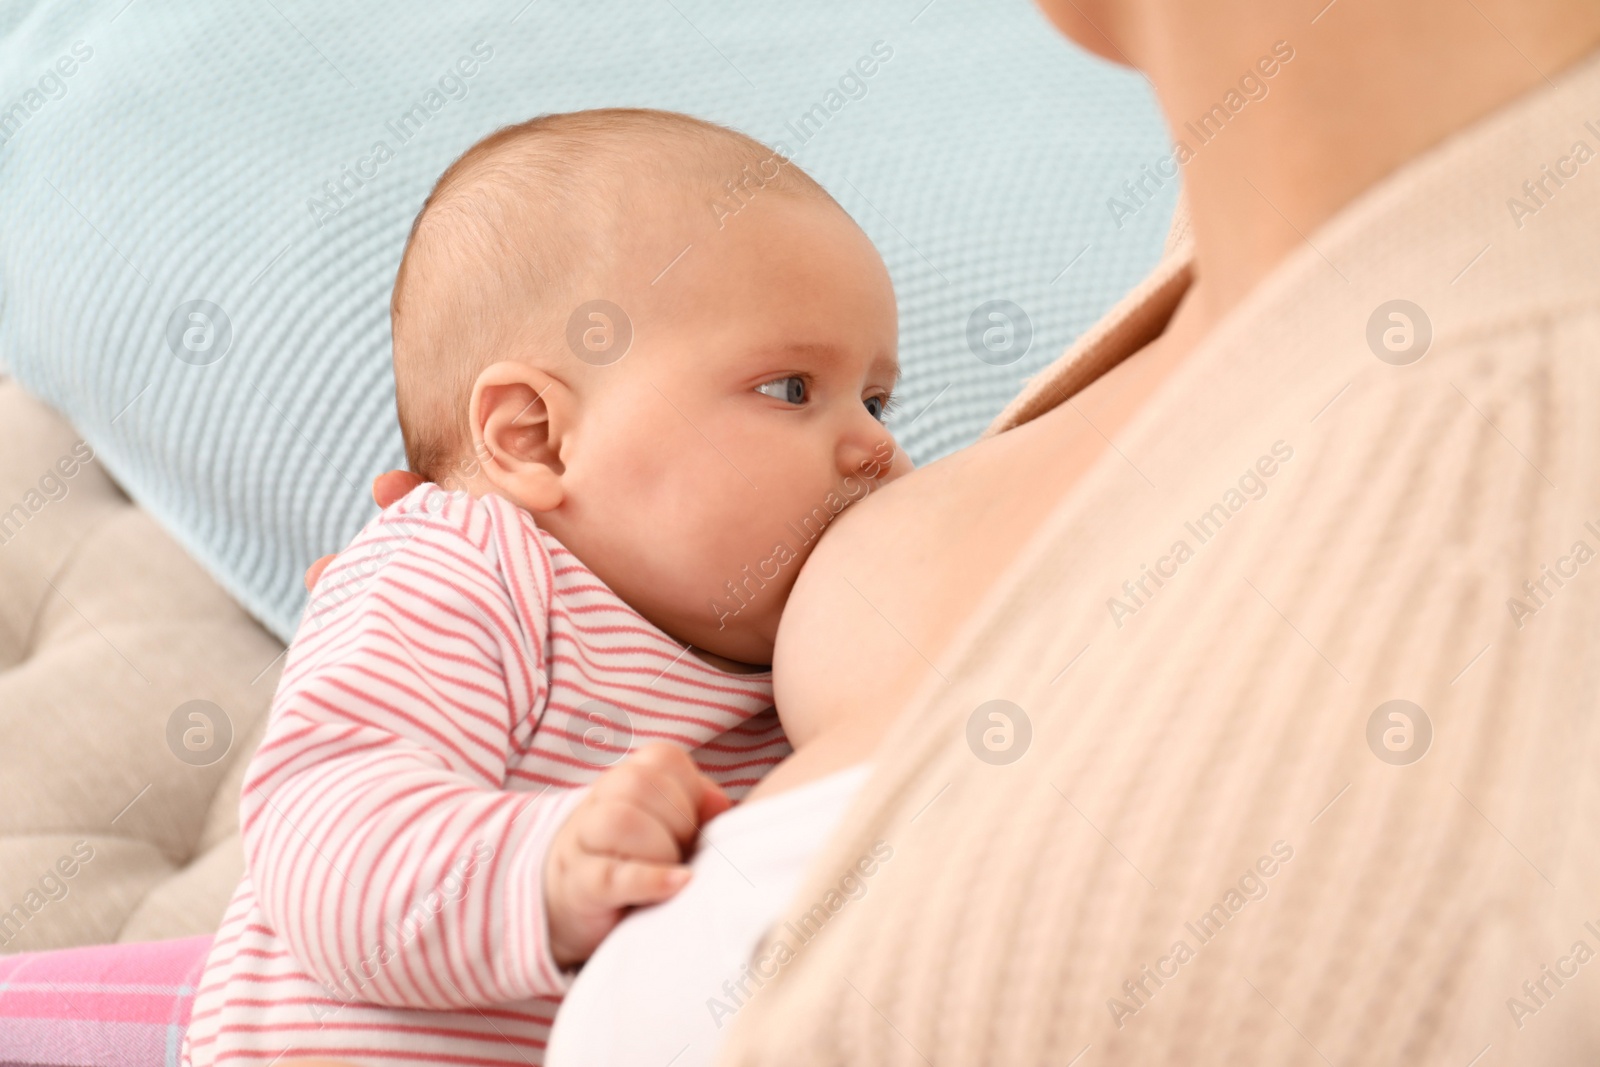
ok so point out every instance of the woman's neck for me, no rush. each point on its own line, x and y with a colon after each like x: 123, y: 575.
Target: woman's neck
x: 1267, y: 175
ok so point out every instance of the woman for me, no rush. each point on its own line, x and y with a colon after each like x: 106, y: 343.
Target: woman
x: 1341, y: 525
x: 1306, y: 507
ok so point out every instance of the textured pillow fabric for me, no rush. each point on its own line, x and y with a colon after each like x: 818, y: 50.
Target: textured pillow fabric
x: 201, y: 211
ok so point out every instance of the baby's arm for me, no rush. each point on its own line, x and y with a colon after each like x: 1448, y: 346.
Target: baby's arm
x: 380, y: 841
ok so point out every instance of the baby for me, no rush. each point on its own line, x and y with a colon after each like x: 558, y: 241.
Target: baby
x: 641, y: 361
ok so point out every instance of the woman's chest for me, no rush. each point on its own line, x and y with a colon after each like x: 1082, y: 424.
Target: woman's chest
x: 875, y: 610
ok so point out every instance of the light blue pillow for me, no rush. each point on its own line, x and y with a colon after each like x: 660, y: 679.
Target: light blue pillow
x: 199, y: 228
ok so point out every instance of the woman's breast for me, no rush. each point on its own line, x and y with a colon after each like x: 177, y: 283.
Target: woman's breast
x: 874, y: 610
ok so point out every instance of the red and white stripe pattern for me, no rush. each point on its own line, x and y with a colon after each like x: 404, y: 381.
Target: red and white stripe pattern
x: 456, y: 680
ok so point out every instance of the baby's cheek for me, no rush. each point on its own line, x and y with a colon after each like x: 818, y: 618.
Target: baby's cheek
x: 754, y: 553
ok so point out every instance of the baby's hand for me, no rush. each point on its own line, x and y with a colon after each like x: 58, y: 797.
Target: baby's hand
x: 624, y: 845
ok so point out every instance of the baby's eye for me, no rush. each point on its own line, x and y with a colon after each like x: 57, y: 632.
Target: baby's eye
x: 793, y: 389
x: 878, y: 406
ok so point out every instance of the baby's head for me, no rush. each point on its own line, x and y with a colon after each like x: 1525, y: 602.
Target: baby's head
x: 663, y: 340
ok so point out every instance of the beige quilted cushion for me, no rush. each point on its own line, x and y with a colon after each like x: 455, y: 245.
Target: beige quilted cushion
x: 106, y: 628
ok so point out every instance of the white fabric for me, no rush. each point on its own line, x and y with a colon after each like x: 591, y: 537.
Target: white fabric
x: 662, y: 988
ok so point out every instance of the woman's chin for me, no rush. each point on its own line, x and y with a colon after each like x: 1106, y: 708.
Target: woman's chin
x: 1082, y: 28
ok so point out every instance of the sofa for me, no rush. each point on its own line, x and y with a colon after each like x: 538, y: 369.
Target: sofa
x: 132, y: 691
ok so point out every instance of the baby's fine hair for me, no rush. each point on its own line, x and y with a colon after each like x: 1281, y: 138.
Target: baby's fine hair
x: 524, y: 226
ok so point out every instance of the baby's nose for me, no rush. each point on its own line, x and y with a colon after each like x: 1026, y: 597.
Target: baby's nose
x: 873, y: 457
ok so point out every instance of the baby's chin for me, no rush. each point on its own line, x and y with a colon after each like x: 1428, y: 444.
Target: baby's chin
x: 745, y: 640
x: 732, y: 665
x: 740, y: 644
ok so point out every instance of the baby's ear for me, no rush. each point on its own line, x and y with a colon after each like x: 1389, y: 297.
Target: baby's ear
x: 519, y: 415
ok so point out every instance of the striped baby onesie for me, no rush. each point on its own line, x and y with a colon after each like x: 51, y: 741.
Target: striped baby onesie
x: 457, y: 679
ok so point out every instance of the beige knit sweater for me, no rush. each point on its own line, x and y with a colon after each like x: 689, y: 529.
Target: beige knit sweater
x: 1215, y: 848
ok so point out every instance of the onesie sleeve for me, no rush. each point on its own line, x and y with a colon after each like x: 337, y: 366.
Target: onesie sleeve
x: 380, y: 838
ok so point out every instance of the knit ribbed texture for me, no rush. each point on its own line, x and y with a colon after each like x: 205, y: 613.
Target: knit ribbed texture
x: 180, y: 161
x: 1227, y: 716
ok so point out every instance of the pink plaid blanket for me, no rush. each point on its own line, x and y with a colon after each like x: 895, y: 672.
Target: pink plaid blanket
x: 99, y: 1006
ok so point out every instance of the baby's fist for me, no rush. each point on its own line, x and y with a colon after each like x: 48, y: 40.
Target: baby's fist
x: 624, y: 846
